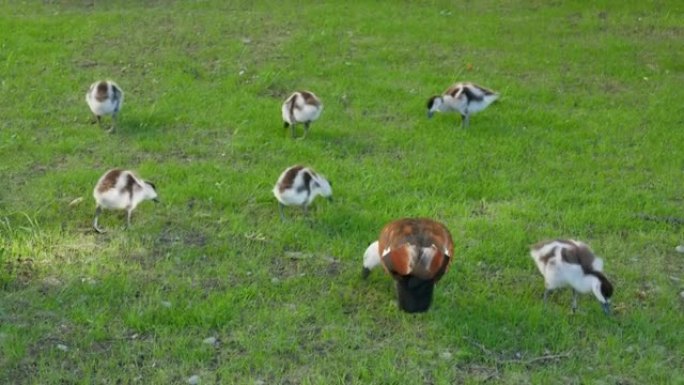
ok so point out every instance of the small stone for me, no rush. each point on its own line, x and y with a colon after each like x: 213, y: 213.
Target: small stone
x: 63, y: 348
x: 445, y: 355
x: 166, y: 304
x: 275, y: 280
x: 680, y: 249
x: 259, y: 382
x: 193, y: 380
x: 681, y: 294
x: 210, y: 341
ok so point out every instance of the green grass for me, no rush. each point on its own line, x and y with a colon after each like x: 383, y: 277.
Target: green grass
x: 585, y: 142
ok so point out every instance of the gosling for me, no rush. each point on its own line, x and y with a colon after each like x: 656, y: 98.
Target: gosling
x: 105, y: 98
x: 464, y: 98
x: 298, y: 186
x: 567, y: 262
x: 301, y: 107
x: 121, y: 190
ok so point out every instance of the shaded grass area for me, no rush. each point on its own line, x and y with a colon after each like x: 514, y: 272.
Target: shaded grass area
x: 583, y: 143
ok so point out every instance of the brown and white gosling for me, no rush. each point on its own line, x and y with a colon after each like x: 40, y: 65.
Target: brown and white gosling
x: 298, y: 186
x: 567, y: 262
x: 121, y: 190
x: 301, y: 107
x: 417, y: 253
x: 464, y: 98
x: 105, y: 98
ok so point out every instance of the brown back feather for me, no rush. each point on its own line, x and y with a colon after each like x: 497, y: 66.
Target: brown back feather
x: 289, y: 178
x: 400, y: 235
x: 109, y: 180
x: 101, y: 94
x: 309, y: 98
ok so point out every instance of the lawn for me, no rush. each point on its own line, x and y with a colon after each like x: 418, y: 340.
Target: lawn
x: 210, y: 286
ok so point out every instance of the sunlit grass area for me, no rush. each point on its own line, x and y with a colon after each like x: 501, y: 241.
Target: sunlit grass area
x: 211, y: 286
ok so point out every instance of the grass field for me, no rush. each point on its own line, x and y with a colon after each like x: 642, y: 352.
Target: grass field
x: 585, y: 142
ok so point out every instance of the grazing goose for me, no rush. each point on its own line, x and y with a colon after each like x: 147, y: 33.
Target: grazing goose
x: 566, y: 262
x: 298, y: 186
x: 121, y: 190
x: 416, y: 252
x: 105, y: 98
x: 301, y: 107
x: 465, y: 98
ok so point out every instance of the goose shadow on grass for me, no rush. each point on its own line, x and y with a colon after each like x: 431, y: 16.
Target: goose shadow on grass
x: 145, y: 125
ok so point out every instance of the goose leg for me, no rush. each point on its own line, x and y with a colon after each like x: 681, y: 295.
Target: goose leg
x: 306, y: 129
x: 545, y: 296
x: 280, y: 210
x: 128, y: 218
x: 574, y: 301
x: 113, y: 127
x: 97, y: 228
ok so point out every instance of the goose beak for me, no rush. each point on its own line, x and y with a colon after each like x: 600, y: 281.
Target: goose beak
x: 156, y: 200
x: 330, y: 198
x: 430, y: 113
x: 606, y: 308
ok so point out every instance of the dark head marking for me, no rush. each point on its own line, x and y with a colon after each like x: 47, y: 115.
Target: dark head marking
x: 431, y: 102
x: 151, y: 185
x: 606, y: 287
x: 415, y: 294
